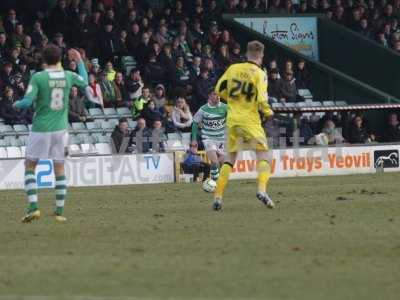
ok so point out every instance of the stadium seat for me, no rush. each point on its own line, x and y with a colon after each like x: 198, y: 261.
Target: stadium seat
x: 21, y: 129
x: 13, y: 152
x: 132, y: 124
x: 23, y: 150
x: 85, y: 138
x: 4, y: 142
x: 30, y: 127
x: 87, y: 148
x: 341, y: 103
x: 3, y: 152
x: 74, y: 150
x: 186, y: 137
x: 328, y: 103
x: 16, y: 142
x: 73, y: 139
x: 107, y: 125
x: 110, y: 113
x: 96, y: 113
x: 78, y: 127
x: 276, y: 105
x: 103, y: 148
x: 175, y: 145
x: 174, y: 136
x: 316, y: 103
x: 2, y: 121
x: 93, y: 127
x: 103, y: 139
x: 6, y: 129
x: 123, y: 112
x: 128, y: 63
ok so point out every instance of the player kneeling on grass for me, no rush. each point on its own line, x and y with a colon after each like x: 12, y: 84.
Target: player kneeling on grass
x: 244, y: 87
x: 49, y: 90
x: 210, y: 119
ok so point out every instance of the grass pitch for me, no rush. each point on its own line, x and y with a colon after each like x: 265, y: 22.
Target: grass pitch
x: 328, y: 238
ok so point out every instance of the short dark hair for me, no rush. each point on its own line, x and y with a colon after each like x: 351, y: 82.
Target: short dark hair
x: 122, y: 120
x: 52, y: 55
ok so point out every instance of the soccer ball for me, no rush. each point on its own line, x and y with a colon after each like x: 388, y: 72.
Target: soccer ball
x: 209, y: 185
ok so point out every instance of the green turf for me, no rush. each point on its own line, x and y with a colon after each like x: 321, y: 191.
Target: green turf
x: 328, y: 238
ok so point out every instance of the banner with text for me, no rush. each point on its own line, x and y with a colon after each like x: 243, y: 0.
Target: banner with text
x: 94, y: 171
x: 298, y: 33
x: 322, y: 161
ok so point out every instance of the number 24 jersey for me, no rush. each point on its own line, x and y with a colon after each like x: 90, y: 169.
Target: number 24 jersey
x: 50, y: 90
x: 244, y: 87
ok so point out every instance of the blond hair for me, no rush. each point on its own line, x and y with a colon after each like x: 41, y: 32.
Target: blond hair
x: 255, y: 49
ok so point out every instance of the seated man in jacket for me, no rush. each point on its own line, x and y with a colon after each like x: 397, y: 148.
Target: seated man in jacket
x: 120, y: 137
x: 140, y: 137
x: 193, y: 164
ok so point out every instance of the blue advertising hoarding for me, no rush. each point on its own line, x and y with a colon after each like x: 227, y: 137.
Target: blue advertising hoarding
x: 298, y: 33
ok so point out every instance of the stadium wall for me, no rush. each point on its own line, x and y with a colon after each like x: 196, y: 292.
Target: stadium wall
x: 164, y: 168
x: 359, y: 57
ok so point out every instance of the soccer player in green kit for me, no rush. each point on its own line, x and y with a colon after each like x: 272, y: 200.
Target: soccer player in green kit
x: 211, y: 119
x: 49, y: 91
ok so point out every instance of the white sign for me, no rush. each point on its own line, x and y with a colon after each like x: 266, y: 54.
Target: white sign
x: 321, y: 161
x: 298, y: 33
x: 94, y: 171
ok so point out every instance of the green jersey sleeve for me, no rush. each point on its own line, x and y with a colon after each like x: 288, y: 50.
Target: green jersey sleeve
x: 78, y: 80
x: 32, y: 89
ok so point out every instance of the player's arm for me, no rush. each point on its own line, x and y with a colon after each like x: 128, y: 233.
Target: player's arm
x: 262, y: 97
x: 30, y: 95
x: 222, y: 86
x: 197, y: 119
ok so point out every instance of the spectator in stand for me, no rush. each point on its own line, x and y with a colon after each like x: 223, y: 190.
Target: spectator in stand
x: 358, y: 133
x: 301, y: 75
x: 182, y: 75
x: 162, y: 37
x: 223, y: 58
x: 181, y: 116
x: 144, y: 49
x: 107, y: 42
x: 10, y: 114
x: 76, y: 112
x: 274, y: 84
x: 140, y: 137
x: 201, y: 87
x: 140, y: 103
x: 134, y: 85
x: 332, y: 134
x: 392, y: 129
x: 287, y: 88
x: 10, y: 22
x: 109, y: 70
x: 154, y: 72
x: 120, y: 137
x: 107, y: 91
x: 151, y: 114
x: 121, y: 94
x: 95, y: 90
x: 236, y: 56
x: 158, y: 132
x: 159, y: 99
x: 276, y: 8
x: 133, y: 38
x: 6, y: 75
x: 193, y: 163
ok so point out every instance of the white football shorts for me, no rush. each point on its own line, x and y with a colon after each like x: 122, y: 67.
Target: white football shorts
x: 47, y: 145
x: 214, y: 145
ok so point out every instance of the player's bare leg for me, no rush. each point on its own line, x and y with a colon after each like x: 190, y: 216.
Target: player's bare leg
x: 223, y: 179
x: 264, y: 173
x: 61, y: 190
x: 33, y: 212
x: 215, y: 164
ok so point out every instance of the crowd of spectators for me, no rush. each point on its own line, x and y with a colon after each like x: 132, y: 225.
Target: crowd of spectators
x: 179, y: 52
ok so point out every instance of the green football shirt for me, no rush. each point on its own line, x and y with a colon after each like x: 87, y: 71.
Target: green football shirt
x: 50, y: 90
x: 212, y: 121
